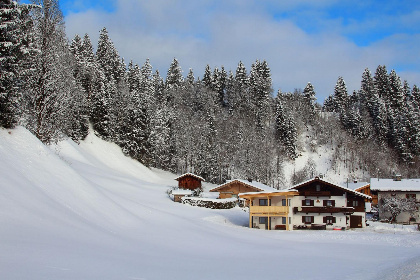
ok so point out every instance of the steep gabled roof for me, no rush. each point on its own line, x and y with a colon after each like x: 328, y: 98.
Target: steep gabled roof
x: 405, y: 185
x: 356, y: 186
x: 259, y: 187
x: 317, y: 179
x: 190, y: 174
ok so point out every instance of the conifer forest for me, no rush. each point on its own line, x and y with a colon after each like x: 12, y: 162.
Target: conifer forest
x: 229, y: 123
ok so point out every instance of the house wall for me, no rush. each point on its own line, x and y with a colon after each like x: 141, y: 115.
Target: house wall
x: 340, y: 218
x: 275, y: 222
x: 189, y: 183
x: 403, y: 217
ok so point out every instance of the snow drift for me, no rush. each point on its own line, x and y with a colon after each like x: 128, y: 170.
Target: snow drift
x: 86, y: 211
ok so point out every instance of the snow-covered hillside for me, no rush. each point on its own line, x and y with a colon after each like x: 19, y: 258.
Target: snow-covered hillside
x: 88, y: 212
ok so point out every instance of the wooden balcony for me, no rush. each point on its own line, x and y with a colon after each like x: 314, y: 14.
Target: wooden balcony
x: 314, y: 209
x: 317, y: 194
x: 268, y: 210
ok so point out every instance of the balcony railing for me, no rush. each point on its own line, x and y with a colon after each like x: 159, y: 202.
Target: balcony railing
x: 272, y: 210
x: 311, y: 209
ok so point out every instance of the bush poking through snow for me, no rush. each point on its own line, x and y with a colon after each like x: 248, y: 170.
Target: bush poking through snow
x: 210, y: 203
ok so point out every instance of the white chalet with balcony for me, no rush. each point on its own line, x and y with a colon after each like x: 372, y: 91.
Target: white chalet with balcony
x: 315, y: 204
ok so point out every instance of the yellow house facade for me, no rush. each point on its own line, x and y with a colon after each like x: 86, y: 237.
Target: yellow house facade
x: 270, y: 210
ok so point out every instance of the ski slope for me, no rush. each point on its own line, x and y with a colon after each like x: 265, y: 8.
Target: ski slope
x: 86, y: 211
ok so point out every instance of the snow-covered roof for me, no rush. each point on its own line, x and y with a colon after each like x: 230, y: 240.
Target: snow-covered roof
x: 331, y: 184
x: 256, y: 185
x: 378, y: 184
x: 355, y: 185
x: 190, y: 174
x: 181, y: 192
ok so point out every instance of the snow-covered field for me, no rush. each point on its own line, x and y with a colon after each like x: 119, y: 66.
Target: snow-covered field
x: 88, y: 212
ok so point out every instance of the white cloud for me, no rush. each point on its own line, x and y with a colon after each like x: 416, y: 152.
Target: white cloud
x: 201, y: 33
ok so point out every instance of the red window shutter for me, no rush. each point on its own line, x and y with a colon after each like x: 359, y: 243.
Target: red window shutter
x: 325, y: 203
x: 334, y: 220
x: 312, y: 202
x: 303, y: 203
x: 303, y: 219
x: 333, y: 202
x: 312, y: 219
x: 325, y: 219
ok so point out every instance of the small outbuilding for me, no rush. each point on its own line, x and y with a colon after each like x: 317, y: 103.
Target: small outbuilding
x: 179, y: 194
x: 189, y: 181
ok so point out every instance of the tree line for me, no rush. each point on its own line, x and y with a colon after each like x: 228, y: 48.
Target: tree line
x: 223, y: 125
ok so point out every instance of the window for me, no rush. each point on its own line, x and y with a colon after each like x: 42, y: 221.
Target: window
x: 283, y: 220
x: 355, y: 203
x: 307, y: 219
x: 263, y: 220
x: 318, y: 188
x: 307, y: 202
x: 263, y: 202
x: 329, y: 220
x: 329, y: 203
x: 283, y: 202
x: 410, y: 195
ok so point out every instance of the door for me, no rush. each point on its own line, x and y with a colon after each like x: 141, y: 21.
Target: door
x: 355, y: 221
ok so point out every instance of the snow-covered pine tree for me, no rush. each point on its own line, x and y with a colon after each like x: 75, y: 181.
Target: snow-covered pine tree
x: 285, y: 129
x: 381, y: 81
x: 239, y: 90
x: 51, y: 85
x: 260, y: 90
x: 207, y: 77
x: 310, y: 101
x: 375, y: 106
x: 106, y: 109
x: 15, y: 52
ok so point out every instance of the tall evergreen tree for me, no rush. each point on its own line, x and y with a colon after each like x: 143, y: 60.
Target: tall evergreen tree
x: 310, y: 101
x: 52, y: 85
x: 15, y: 50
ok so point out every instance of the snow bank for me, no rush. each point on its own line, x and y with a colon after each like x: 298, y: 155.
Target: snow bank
x: 87, y: 211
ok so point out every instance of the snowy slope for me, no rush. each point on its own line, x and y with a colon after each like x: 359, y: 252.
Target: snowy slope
x: 88, y: 212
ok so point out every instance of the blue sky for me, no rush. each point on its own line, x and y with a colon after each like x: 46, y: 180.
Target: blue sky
x: 302, y: 40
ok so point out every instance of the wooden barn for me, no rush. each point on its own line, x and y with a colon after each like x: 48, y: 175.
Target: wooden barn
x: 189, y: 181
x: 234, y: 187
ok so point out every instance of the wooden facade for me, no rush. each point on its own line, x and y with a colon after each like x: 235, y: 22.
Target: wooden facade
x: 234, y: 188
x: 189, y: 181
x: 366, y: 190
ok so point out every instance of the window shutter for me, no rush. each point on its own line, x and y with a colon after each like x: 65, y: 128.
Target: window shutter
x: 312, y: 202
x: 334, y: 220
x: 325, y: 202
x: 303, y: 202
x: 325, y: 220
x: 312, y: 219
x: 333, y: 203
x: 303, y: 219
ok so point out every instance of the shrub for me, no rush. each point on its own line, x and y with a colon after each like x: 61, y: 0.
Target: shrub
x: 210, y: 203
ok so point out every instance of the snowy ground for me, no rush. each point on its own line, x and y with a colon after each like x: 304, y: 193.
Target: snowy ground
x: 88, y: 212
